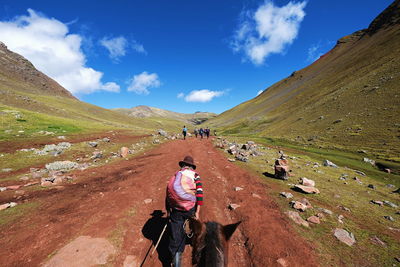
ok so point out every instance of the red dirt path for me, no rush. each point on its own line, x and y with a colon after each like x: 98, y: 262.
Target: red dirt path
x: 108, y: 202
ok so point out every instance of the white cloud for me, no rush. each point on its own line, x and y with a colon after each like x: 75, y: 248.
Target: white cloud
x: 202, y: 95
x: 268, y: 30
x: 115, y: 46
x: 259, y: 92
x: 48, y: 45
x: 118, y: 47
x: 180, y: 95
x: 138, y: 47
x: 141, y: 83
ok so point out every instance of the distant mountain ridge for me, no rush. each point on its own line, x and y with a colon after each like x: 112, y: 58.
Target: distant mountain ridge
x: 147, y: 112
x: 349, y: 98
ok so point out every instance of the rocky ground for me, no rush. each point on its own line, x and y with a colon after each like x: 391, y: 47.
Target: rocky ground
x: 112, y: 209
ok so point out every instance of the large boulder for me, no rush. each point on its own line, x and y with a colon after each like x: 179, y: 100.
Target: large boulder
x: 162, y: 133
x: 307, y: 182
x: 281, y: 169
x: 328, y: 163
x: 307, y: 189
x: 124, y: 151
x: 344, y: 236
x: 295, y: 216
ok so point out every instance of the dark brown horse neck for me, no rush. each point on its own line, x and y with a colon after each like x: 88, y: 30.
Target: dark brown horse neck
x: 210, y: 244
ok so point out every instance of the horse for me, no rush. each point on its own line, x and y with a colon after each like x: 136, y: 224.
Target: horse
x: 210, y: 243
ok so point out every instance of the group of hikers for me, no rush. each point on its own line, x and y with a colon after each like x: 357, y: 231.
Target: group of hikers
x: 202, y: 132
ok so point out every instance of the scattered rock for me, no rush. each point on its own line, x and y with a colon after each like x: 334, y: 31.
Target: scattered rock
x: 377, y: 202
x: 337, y: 121
x: 390, y: 204
x: 286, y: 194
x: 357, y: 180
x: 97, y: 155
x: 281, y: 168
x: 340, y: 218
x: 282, y: 262
x: 233, y: 206
x: 325, y: 211
x: 344, y: 236
x: 3, y: 189
x: 231, y: 160
x: 344, y: 208
x: 307, y: 182
x: 390, y: 218
x: 162, y: 133
x: 148, y: 201
x: 238, y: 188
x: 62, y: 166
x: 6, y: 170
x: 371, y: 186
x: 298, y: 205
x: 361, y: 173
x: 307, y: 189
x: 106, y: 140
x: 377, y: 241
x: 328, y: 163
x: 124, y: 152
x: 255, y: 195
x: 93, y: 144
x: 13, y: 187
x: 8, y: 205
x: 390, y: 185
x: 30, y: 184
x: 314, y: 219
x: 305, y: 202
x: 61, y: 137
x: 295, y: 216
x: 370, y: 161
x: 53, y: 149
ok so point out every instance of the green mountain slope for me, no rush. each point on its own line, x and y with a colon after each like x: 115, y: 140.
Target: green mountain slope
x: 31, y: 102
x: 349, y: 98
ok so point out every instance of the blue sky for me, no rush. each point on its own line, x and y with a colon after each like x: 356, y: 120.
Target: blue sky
x: 183, y: 56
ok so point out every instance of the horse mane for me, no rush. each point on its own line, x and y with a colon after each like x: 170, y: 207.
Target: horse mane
x: 211, y: 246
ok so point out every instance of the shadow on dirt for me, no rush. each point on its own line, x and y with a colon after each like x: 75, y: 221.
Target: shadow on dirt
x: 152, y: 231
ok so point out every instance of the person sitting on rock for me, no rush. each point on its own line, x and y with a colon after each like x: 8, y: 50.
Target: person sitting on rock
x: 183, y: 200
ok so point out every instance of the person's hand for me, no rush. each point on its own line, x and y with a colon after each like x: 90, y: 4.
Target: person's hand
x: 197, y: 215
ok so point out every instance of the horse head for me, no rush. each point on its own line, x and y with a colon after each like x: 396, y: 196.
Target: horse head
x: 210, y: 243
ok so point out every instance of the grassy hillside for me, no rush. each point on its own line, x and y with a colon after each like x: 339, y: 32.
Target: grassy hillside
x: 347, y: 99
x: 31, y: 102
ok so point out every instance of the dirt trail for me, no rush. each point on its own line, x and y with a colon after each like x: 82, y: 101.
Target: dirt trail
x: 108, y: 202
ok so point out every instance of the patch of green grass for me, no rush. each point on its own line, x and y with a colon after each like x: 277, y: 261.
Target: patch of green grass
x: 365, y: 220
x: 11, y: 215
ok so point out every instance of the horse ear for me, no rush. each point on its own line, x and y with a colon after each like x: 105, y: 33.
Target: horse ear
x: 229, y: 229
x: 196, y: 226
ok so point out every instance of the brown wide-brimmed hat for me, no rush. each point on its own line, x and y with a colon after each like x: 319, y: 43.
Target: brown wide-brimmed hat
x: 188, y: 160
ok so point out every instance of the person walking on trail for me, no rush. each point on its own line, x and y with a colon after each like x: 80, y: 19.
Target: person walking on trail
x: 184, y: 132
x: 201, y: 132
x: 208, y: 132
x: 196, y: 132
x: 183, y: 200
